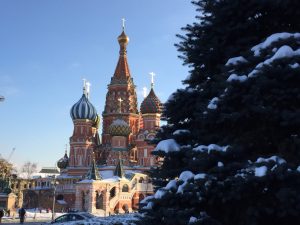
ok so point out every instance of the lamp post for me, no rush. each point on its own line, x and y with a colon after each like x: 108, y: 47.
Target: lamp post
x: 54, y: 185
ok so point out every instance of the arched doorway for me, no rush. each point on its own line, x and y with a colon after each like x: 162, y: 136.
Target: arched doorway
x: 99, y: 200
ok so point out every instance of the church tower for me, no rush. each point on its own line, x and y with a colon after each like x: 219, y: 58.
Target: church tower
x: 116, y: 118
x: 151, y: 109
x: 82, y: 142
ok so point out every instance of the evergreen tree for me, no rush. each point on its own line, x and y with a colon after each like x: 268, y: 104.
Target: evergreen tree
x: 231, y: 148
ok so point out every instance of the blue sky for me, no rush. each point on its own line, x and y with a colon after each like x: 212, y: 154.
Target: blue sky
x: 48, y: 46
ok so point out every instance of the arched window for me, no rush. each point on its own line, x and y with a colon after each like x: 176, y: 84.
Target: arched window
x: 125, y: 208
x: 125, y: 188
x: 83, y: 200
x: 112, y: 192
x: 99, y: 200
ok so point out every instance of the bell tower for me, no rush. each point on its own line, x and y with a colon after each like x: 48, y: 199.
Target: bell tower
x: 121, y: 87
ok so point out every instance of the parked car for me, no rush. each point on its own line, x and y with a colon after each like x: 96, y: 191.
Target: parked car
x: 70, y: 217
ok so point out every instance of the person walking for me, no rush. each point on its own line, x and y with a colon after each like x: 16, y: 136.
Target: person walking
x: 22, y: 213
x: 1, y: 214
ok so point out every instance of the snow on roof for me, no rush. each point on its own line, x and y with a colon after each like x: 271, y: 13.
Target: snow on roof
x: 86, y: 181
x: 169, y: 145
x: 235, y: 60
x: 211, y: 147
x: 213, y: 103
x: 180, y: 131
x: 106, y: 173
x: 235, y: 77
x: 271, y: 39
x: 261, y: 171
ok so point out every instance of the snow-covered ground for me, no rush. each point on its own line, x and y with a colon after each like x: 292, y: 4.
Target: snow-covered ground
x: 32, y: 215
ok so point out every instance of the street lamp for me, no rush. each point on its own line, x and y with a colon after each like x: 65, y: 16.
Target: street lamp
x: 54, y: 185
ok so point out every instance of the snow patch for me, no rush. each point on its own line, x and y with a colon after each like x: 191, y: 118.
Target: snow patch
x: 283, y: 52
x: 261, y: 171
x: 199, y: 176
x: 271, y: 39
x: 235, y: 61
x: 169, y: 145
x: 211, y: 147
x: 220, y: 164
x: 193, y: 220
x: 171, y: 184
x: 186, y: 175
x: 213, y: 103
x: 234, y: 77
x: 295, y: 65
x: 145, y: 200
x: 181, y: 131
x: 276, y: 159
x: 159, y: 194
x: 149, y: 205
x: 180, y: 188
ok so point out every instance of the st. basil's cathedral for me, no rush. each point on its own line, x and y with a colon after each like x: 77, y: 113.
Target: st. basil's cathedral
x: 108, y: 174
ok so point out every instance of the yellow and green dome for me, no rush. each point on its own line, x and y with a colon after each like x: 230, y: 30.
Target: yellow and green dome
x: 119, y: 128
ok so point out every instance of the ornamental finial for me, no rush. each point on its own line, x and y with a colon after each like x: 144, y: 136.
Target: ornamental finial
x: 152, y: 78
x: 123, y: 23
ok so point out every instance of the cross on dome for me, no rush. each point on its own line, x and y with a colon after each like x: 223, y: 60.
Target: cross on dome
x: 152, y: 74
x: 123, y: 23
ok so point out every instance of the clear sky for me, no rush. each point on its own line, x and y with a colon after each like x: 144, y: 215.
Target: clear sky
x: 47, y: 47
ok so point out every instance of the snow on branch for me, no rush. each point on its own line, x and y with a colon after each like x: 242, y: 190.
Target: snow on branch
x: 235, y: 61
x: 169, y: 145
x: 271, y: 39
x: 213, y: 103
x: 211, y: 147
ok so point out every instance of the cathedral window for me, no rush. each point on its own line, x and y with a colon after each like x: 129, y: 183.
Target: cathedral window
x: 99, y: 200
x: 112, y: 192
x: 125, y: 188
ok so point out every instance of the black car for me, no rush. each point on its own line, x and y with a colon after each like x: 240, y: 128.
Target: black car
x: 69, y: 217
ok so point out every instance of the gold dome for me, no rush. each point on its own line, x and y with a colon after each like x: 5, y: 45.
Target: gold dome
x: 123, y: 38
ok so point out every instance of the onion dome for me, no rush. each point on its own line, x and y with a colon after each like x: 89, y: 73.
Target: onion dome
x: 63, y: 162
x: 151, y: 104
x: 83, y: 109
x: 119, y: 128
x: 123, y: 38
